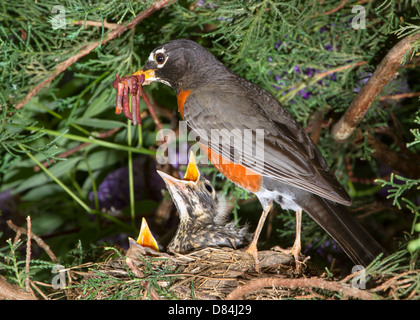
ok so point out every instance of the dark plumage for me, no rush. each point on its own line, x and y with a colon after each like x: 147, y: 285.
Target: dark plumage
x: 289, y: 169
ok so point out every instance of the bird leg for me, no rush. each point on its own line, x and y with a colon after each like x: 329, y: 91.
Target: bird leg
x: 252, y: 248
x: 296, y: 248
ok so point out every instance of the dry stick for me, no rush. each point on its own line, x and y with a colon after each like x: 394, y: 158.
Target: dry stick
x: 340, y: 6
x: 65, y: 154
x: 316, y: 124
x: 362, y: 1
x: 86, y: 50
x: 69, y: 152
x: 384, y: 154
x: 324, y: 74
x: 38, y: 240
x: 151, y: 109
x: 400, y: 96
x: 34, y: 285
x: 258, y: 284
x: 384, y: 73
x: 316, y: 78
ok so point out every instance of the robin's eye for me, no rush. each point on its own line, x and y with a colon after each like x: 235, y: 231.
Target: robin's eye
x: 160, y: 58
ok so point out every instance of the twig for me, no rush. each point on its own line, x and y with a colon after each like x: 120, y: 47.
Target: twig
x: 318, y: 77
x: 384, y: 73
x: 316, y: 125
x: 38, y: 240
x: 258, y: 284
x: 400, y: 96
x: 28, y: 254
x: 34, y: 285
x: 69, y: 152
x: 115, y: 33
x: 340, y: 6
x: 355, y: 179
x: 134, y: 268
x: 393, y: 159
x: 139, y: 274
x: 87, y: 23
x: 151, y: 109
x: 397, y: 280
x: 322, y: 75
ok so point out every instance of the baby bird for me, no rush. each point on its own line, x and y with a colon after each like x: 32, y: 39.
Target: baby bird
x: 203, y: 215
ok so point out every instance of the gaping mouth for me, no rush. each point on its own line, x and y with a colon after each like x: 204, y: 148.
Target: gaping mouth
x: 146, y: 238
x: 191, y: 177
x: 149, y: 75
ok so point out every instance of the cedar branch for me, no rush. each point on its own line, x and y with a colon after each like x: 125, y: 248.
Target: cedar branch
x: 115, y: 33
x: 28, y: 253
x: 385, y: 72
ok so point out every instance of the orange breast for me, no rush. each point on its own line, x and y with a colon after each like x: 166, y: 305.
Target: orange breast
x: 237, y: 173
x: 181, y: 97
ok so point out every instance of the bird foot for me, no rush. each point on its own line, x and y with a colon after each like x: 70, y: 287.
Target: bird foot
x: 252, y: 250
x: 296, y: 252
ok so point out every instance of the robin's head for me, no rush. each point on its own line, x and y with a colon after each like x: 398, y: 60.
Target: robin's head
x: 180, y: 64
x: 194, y: 196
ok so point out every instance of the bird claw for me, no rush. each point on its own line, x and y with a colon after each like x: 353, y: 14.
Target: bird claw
x: 296, y: 252
x: 125, y: 86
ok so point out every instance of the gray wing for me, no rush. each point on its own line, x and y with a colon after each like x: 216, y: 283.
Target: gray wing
x: 284, y: 153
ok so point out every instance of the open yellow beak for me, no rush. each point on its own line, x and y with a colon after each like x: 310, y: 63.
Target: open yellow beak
x: 149, y: 75
x: 192, y: 173
x: 146, y: 238
x: 178, y: 186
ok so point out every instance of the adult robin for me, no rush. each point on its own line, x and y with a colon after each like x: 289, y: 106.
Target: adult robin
x: 283, y: 165
x: 203, y: 214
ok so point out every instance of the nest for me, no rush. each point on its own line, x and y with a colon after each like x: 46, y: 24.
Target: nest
x: 213, y: 273
x: 224, y: 273
x: 210, y: 274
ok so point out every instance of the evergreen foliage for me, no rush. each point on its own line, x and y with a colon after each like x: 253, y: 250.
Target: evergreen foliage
x: 287, y: 47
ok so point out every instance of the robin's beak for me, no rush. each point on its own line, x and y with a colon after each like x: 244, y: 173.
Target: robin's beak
x: 149, y: 75
x: 146, y: 238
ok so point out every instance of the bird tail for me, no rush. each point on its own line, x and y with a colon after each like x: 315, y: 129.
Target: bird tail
x: 337, y: 221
